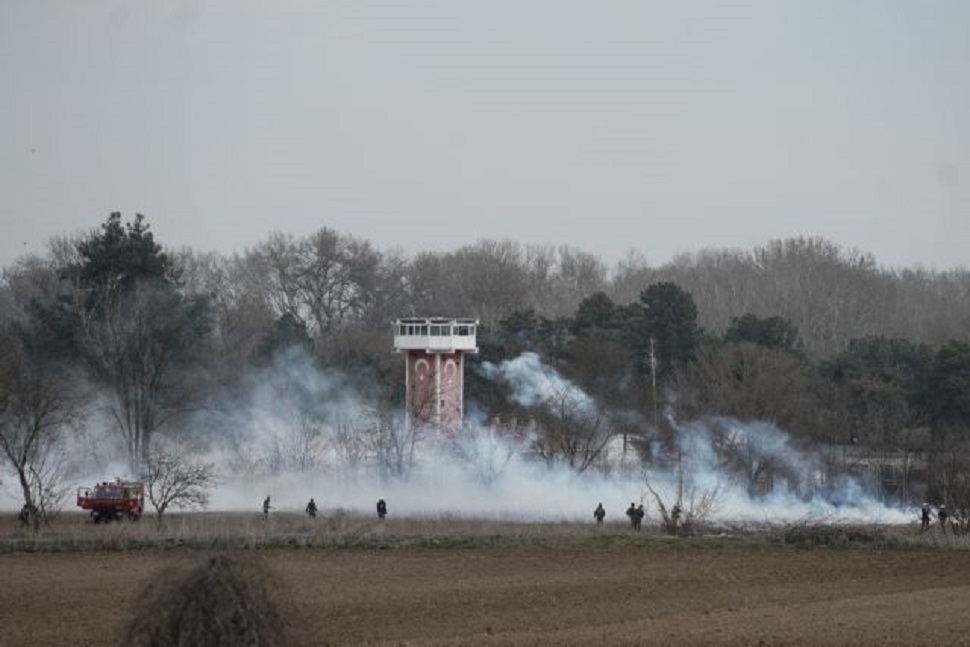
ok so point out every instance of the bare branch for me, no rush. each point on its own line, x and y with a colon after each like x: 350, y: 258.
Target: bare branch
x: 173, y: 479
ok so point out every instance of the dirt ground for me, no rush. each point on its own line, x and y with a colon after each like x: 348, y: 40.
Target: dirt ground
x: 557, y: 594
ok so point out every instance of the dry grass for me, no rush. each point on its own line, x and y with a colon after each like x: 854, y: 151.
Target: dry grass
x: 245, y: 531
x: 222, y: 531
x: 224, y: 601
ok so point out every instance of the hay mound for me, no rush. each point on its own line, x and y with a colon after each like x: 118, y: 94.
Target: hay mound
x: 225, y: 601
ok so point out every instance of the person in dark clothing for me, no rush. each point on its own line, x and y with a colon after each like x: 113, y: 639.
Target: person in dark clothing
x: 943, y: 515
x: 24, y: 515
x: 631, y: 512
x: 599, y: 514
x: 381, y: 509
x: 266, y: 507
x: 924, y: 516
x: 311, y: 509
x: 638, y: 515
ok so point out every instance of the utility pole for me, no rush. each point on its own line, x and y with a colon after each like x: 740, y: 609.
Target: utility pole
x: 653, y: 381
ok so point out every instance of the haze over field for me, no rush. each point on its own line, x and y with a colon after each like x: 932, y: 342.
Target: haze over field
x: 281, y: 439
x: 657, y: 126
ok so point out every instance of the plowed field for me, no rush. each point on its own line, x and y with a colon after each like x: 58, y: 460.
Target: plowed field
x: 552, y: 593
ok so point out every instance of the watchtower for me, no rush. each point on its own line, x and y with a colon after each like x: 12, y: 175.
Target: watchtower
x: 434, y: 377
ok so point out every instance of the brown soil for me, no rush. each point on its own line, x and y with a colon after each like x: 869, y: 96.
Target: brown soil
x: 554, y: 594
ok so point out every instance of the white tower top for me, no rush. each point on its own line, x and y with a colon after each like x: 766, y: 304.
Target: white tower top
x: 435, y: 335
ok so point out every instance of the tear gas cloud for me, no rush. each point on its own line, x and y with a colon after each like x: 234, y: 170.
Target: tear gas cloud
x: 533, y: 383
x: 294, y: 432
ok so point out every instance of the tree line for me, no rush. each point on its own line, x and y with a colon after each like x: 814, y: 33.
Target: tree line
x: 801, y: 333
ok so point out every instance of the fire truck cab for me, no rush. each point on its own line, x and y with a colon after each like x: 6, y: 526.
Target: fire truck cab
x: 113, y: 500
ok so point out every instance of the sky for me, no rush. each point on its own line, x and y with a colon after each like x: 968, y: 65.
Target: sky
x: 614, y: 126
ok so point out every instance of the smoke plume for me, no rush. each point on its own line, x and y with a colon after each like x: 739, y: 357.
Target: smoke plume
x: 294, y: 431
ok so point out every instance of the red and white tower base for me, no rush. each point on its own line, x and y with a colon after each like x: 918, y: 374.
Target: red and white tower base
x: 434, y: 379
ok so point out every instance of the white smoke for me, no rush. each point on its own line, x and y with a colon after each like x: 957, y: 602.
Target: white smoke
x: 296, y: 432
x: 751, y: 471
x: 533, y: 383
x: 727, y: 457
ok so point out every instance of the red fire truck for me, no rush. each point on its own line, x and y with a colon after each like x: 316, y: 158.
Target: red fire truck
x: 113, y: 500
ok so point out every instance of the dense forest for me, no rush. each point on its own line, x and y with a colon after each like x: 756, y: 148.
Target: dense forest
x: 109, y: 328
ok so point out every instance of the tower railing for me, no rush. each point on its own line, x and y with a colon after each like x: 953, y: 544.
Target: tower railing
x: 436, y: 335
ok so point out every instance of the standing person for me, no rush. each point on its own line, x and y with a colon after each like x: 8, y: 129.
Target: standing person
x: 631, y: 512
x: 311, y: 509
x: 599, y: 513
x: 675, y: 513
x: 381, y: 509
x: 924, y: 516
x: 266, y: 507
x: 943, y: 515
x: 637, y: 517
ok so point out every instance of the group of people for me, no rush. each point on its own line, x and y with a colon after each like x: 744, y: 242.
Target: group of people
x: 926, y: 516
x: 311, y: 508
x: 635, y: 514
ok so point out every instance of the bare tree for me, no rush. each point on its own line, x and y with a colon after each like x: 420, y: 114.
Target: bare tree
x: 173, y: 479
x: 489, y: 450
x: 580, y: 275
x: 348, y: 438
x: 124, y: 316
x: 928, y: 307
x: 239, y: 293
x: 299, y: 446
x: 571, y: 429
x: 683, y: 501
x: 47, y: 476
x: 488, y: 280
x: 325, y: 280
x: 38, y: 404
x: 427, y: 286
x: 682, y: 511
x: 748, y: 382
x: 137, y: 344
x: 559, y: 278
x: 829, y: 293
x: 394, y: 444
x: 30, y: 279
x: 308, y: 444
x: 339, y: 279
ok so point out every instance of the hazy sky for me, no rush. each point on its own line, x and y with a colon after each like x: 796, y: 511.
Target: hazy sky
x: 660, y: 127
